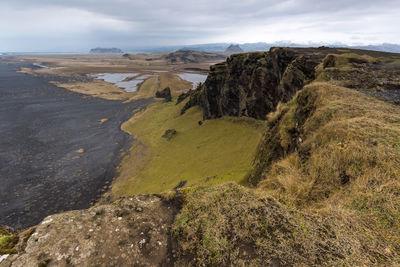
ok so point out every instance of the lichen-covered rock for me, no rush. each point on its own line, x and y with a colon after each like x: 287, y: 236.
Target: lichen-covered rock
x: 130, y: 232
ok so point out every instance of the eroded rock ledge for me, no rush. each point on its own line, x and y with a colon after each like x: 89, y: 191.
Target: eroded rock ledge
x: 130, y: 232
x: 252, y: 84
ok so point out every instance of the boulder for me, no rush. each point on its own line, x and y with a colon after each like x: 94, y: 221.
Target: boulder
x: 165, y: 93
x: 169, y: 134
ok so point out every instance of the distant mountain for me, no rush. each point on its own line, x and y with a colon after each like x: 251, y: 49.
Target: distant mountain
x: 191, y: 56
x: 100, y: 50
x: 261, y: 46
x: 233, y: 49
x: 394, y: 48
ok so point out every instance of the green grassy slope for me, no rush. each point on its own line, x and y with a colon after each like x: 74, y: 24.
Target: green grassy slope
x: 216, y: 151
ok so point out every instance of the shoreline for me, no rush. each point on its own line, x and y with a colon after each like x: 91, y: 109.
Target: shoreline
x: 59, y: 150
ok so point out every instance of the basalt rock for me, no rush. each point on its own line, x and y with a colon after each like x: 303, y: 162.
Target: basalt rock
x: 252, y: 84
x: 169, y: 134
x: 165, y: 93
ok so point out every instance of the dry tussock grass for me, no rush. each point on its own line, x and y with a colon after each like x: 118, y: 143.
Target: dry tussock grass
x: 348, y: 159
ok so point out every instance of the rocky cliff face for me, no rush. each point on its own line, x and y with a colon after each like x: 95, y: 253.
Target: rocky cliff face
x: 252, y: 84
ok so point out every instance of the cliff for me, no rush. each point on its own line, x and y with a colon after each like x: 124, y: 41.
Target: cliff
x: 252, y: 84
x: 324, y: 187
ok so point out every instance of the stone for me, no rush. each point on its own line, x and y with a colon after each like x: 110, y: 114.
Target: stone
x: 169, y: 134
x: 62, y: 243
x: 165, y: 93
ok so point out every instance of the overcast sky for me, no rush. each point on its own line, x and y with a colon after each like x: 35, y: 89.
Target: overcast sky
x: 78, y: 25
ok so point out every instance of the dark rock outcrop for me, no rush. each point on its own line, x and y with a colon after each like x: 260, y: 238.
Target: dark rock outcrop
x: 169, y: 134
x: 252, y: 84
x: 128, y: 56
x: 165, y: 93
x: 233, y: 49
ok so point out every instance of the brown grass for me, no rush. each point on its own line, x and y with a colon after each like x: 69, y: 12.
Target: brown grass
x: 349, y: 158
x: 231, y: 225
x: 72, y: 65
x: 175, y: 83
x: 97, y: 88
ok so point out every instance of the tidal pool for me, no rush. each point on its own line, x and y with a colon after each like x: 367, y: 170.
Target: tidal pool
x: 121, y: 79
x: 194, y: 78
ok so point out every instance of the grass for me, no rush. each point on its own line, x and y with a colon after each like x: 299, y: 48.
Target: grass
x: 7, y: 242
x: 174, y: 82
x: 148, y: 88
x: 4, y: 240
x: 97, y: 88
x: 348, y: 159
x: 103, y: 120
x: 217, y: 151
x: 232, y: 225
x: 74, y: 65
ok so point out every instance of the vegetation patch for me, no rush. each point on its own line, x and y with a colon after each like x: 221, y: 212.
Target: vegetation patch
x: 214, y: 152
x: 8, y: 241
x: 345, y: 155
x: 231, y: 225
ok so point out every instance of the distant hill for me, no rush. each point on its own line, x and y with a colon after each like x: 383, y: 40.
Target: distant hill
x: 190, y: 56
x: 100, y: 50
x: 233, y: 49
x: 262, y: 46
x: 385, y: 47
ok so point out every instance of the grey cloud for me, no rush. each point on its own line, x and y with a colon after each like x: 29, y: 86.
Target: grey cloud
x: 157, y: 22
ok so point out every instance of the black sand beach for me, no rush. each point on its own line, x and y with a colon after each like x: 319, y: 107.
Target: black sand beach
x: 55, y: 155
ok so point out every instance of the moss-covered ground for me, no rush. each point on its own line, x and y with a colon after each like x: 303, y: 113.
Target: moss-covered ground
x: 7, y: 242
x: 214, y: 152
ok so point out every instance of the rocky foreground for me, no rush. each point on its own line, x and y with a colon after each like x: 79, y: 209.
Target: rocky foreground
x: 132, y: 231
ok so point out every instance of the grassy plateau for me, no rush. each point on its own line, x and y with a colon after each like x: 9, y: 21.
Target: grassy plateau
x: 216, y: 151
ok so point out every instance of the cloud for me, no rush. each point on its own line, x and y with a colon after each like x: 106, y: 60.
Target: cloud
x: 68, y: 25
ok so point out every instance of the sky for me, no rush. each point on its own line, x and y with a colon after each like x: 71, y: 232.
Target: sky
x: 78, y: 25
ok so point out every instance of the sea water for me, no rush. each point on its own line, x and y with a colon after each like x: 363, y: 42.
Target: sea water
x: 194, y: 78
x: 118, y: 79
